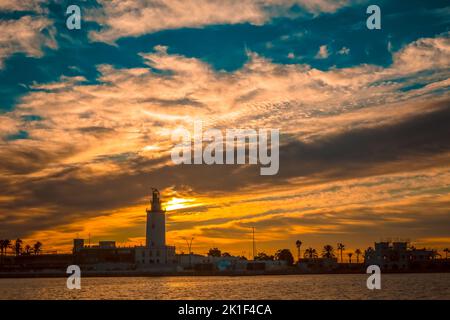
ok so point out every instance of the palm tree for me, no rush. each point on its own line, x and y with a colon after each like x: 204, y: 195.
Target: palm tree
x: 1, y: 246
x: 310, y: 253
x: 37, y: 247
x: 18, y: 246
x: 341, y: 248
x: 358, y: 253
x: 350, y: 257
x: 446, y: 250
x: 27, y: 250
x: 4, y: 245
x: 328, y: 251
x: 298, y: 244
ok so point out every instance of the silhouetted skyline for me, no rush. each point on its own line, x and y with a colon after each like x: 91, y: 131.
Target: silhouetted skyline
x: 86, y: 118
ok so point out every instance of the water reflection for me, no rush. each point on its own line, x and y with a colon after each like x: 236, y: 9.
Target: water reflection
x: 394, y: 286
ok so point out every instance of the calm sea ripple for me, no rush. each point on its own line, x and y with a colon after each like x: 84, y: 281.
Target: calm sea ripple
x: 394, y: 286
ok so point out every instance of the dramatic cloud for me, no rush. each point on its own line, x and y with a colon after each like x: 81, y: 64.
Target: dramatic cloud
x: 424, y: 54
x: 21, y: 5
x: 363, y: 147
x: 25, y: 35
x: 122, y: 18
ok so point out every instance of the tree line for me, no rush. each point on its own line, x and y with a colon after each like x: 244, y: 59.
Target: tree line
x: 328, y: 251
x: 282, y: 254
x: 18, y: 248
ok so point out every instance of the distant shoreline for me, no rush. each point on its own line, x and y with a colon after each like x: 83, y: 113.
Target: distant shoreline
x: 103, y: 274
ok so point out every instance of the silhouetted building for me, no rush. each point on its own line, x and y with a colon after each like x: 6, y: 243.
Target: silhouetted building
x: 98, y: 255
x: 107, y: 244
x: 78, y: 244
x: 42, y: 262
x: 397, y: 256
x: 318, y: 264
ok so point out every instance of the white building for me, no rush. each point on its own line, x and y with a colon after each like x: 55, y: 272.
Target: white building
x: 156, y: 252
x: 397, y: 256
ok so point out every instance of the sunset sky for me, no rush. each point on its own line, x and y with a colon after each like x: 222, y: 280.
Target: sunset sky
x: 86, y: 118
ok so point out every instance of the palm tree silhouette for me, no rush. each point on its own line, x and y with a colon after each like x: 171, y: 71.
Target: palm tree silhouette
x: 350, y: 257
x: 341, y: 248
x: 328, y: 251
x: 27, y: 249
x: 358, y: 253
x: 37, y: 247
x: 18, y: 246
x: 446, y: 250
x: 4, y: 245
x: 1, y: 246
x: 311, y: 253
x: 298, y: 244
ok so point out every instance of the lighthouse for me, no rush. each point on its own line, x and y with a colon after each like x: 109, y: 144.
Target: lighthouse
x: 155, y: 253
x: 156, y: 222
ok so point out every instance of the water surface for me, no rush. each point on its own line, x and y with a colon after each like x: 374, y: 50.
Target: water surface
x: 349, y: 286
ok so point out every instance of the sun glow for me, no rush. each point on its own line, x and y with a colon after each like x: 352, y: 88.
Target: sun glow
x: 180, y: 203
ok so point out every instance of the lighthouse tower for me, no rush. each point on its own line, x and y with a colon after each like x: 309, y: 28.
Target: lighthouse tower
x: 156, y: 222
x: 155, y: 254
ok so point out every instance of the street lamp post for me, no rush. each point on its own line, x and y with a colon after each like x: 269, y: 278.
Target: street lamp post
x: 189, y: 244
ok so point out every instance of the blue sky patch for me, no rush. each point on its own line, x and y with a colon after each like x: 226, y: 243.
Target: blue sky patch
x: 283, y: 40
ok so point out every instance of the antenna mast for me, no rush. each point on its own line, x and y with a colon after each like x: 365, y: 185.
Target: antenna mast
x: 254, y: 244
